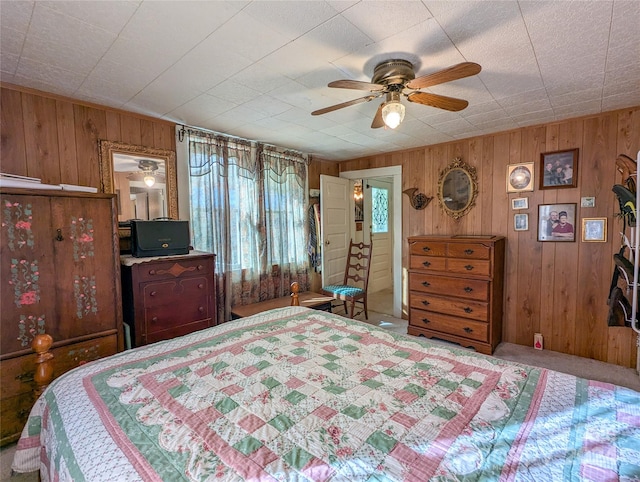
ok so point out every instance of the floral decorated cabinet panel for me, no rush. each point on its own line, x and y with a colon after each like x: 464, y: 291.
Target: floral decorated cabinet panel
x: 60, y: 272
x: 28, y: 292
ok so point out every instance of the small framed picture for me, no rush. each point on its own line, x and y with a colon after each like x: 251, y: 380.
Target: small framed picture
x: 520, y: 177
x: 520, y: 203
x: 556, y: 222
x: 588, y: 202
x: 559, y: 169
x: 594, y: 230
x: 521, y: 222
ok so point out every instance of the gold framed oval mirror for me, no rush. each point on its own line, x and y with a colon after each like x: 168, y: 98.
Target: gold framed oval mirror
x: 144, y: 178
x: 457, y: 188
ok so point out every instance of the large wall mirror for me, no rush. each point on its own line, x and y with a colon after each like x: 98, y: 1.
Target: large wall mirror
x: 144, y: 179
x: 457, y: 188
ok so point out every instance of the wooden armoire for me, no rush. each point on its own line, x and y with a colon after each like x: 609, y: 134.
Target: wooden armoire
x: 60, y: 275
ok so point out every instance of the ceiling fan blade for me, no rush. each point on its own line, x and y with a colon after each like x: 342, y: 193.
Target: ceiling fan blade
x: 455, y: 72
x: 378, y: 121
x: 344, y: 104
x: 439, y: 101
x: 356, y: 84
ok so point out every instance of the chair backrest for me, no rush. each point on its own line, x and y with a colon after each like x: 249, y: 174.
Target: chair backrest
x: 358, y: 264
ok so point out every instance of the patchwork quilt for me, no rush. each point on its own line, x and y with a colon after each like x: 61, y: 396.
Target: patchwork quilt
x: 302, y: 395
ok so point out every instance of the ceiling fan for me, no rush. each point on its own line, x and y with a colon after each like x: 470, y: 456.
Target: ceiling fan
x: 396, y: 77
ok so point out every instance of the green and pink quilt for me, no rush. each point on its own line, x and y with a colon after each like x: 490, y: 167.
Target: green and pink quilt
x: 302, y: 395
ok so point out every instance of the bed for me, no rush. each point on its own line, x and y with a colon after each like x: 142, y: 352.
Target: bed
x: 296, y: 394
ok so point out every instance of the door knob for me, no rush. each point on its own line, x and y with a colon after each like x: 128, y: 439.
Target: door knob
x: 327, y: 242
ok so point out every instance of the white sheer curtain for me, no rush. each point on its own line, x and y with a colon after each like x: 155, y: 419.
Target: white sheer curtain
x: 248, y: 206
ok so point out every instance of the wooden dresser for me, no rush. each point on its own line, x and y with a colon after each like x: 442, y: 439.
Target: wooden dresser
x: 60, y: 274
x: 169, y: 296
x: 456, y: 289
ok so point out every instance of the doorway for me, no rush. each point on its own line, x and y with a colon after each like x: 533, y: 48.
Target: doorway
x: 393, y: 177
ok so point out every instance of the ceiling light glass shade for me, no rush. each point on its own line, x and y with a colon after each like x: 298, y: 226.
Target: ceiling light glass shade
x: 392, y: 113
x: 149, y: 180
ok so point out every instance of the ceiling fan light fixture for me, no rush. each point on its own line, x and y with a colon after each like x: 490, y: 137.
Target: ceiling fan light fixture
x: 393, y: 113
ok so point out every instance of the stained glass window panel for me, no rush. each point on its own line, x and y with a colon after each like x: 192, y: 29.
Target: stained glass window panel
x: 380, y: 210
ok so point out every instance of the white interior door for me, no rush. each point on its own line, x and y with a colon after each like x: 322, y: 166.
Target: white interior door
x: 378, y: 224
x: 336, y: 212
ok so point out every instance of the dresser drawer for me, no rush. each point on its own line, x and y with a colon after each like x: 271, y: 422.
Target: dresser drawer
x: 17, y: 373
x: 475, y: 330
x: 177, y: 330
x: 428, y: 262
x: 472, y: 267
x: 176, y: 302
x: 428, y: 248
x: 171, y: 269
x: 14, y: 412
x: 457, y: 287
x: 469, y: 250
x: 475, y: 310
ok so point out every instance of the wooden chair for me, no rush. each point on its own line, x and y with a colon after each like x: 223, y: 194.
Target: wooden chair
x: 357, y: 270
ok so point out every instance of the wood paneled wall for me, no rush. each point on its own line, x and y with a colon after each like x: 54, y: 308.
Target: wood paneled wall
x: 557, y: 289
x: 56, y: 139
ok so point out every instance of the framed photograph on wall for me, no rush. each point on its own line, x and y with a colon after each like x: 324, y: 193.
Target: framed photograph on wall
x: 556, y: 222
x: 594, y: 230
x: 520, y: 177
x: 559, y: 169
x: 520, y: 203
x: 521, y: 222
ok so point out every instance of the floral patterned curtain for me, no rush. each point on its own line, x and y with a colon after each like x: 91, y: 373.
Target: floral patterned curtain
x: 248, y: 206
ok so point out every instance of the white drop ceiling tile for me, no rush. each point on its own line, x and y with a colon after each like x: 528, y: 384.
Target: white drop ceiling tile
x: 292, y: 18
x: 565, y: 84
x: 224, y: 123
x: 621, y: 101
x: 201, y: 109
x: 75, y: 59
x: 379, y: 20
x: 98, y: 87
x: 162, y: 97
x: 621, y: 86
x: 538, y: 105
x: 8, y: 65
x: 335, y: 38
x: 556, y: 26
x: 574, y: 97
x: 454, y: 126
x: 140, y: 56
x: 110, y: 15
x: 523, y: 98
x: 16, y: 15
x: 38, y: 76
x: 248, y: 37
x: 261, y: 76
x: 267, y: 105
x: 531, y: 118
x: 624, y: 25
x: 115, y: 73
x: 578, y: 109
x: 11, y: 41
x: 244, y: 114
x: 176, y: 27
x: 233, y: 92
x: 481, y: 108
x: 619, y: 58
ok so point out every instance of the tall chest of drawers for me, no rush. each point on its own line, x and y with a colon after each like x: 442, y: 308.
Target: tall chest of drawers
x: 456, y: 289
x: 169, y: 296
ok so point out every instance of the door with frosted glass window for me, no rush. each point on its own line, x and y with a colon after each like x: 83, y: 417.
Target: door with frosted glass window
x: 378, y: 223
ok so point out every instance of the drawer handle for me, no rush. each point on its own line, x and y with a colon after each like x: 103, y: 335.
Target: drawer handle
x: 468, y: 267
x: 59, y: 236
x: 153, y: 293
x: 468, y: 289
x: 468, y: 310
x: 425, y: 303
x: 426, y: 283
x: 468, y: 252
x: 426, y: 320
x: 467, y: 329
x: 200, y: 286
x: 426, y: 249
x: 152, y: 271
x: 426, y: 263
x: 200, y: 267
x: 25, y: 377
x: 154, y: 319
x: 201, y: 309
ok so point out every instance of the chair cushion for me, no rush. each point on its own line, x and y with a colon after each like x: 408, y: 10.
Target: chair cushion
x: 346, y: 291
